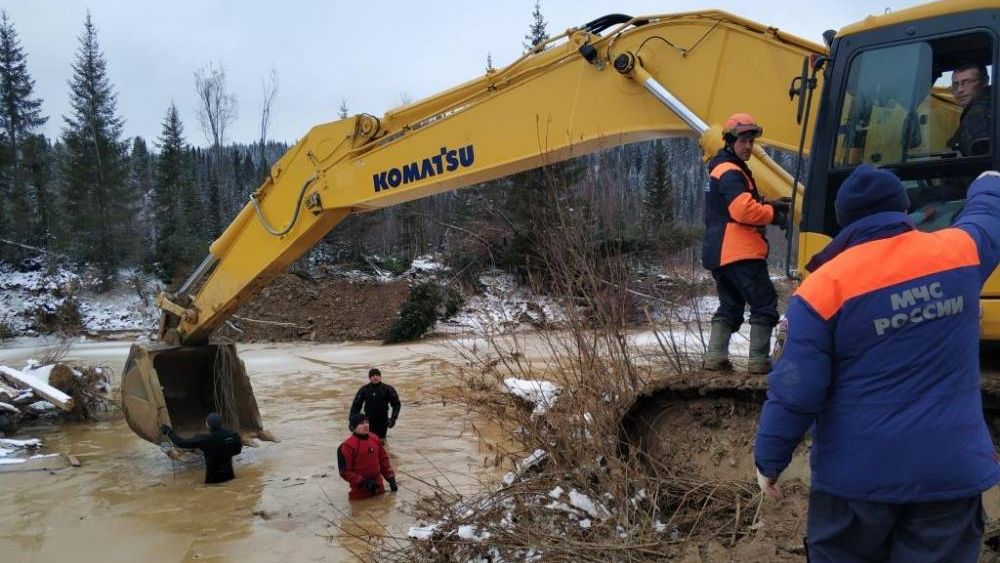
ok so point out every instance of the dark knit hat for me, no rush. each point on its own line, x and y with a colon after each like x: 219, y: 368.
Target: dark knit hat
x: 356, y: 419
x: 869, y: 190
x: 374, y: 371
x: 214, y: 420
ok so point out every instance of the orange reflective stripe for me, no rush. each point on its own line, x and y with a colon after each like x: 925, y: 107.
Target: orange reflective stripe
x: 741, y: 242
x: 724, y: 167
x: 878, y: 264
x: 745, y: 209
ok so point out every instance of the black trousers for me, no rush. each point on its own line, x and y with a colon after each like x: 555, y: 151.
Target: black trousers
x: 743, y: 283
x: 379, y: 426
x: 849, y: 531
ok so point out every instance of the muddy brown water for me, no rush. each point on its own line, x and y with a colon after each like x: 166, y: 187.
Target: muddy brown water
x: 129, y: 502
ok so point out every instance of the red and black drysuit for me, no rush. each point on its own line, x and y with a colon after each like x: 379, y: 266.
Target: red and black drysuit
x: 361, y: 458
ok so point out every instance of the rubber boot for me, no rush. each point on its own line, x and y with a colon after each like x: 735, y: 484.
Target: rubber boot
x: 760, y: 349
x: 716, y: 358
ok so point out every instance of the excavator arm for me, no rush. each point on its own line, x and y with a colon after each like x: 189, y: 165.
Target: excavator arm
x: 614, y: 81
x: 646, y: 78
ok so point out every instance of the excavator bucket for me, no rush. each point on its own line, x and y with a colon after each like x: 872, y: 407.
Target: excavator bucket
x: 179, y: 386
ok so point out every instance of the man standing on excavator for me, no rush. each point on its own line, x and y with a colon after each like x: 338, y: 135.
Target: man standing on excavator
x: 374, y: 399
x: 882, y: 362
x: 735, y: 250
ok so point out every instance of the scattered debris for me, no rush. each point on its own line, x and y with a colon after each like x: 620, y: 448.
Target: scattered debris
x: 33, y: 463
x: 541, y: 394
x: 40, y: 388
x: 51, y: 391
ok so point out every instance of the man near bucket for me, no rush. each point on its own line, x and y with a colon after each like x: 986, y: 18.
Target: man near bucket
x: 882, y: 362
x: 219, y: 446
x: 362, y: 461
x: 374, y: 399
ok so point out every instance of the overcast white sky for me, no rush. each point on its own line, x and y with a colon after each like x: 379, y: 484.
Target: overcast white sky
x: 367, y: 53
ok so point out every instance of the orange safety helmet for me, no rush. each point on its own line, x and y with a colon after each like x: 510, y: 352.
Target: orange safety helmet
x: 740, y: 124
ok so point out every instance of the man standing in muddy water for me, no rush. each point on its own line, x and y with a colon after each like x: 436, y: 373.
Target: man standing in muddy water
x: 219, y: 446
x: 362, y: 462
x: 374, y: 400
x: 882, y: 362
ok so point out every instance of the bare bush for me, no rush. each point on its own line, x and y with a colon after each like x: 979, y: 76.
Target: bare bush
x: 54, y: 353
x: 594, y: 496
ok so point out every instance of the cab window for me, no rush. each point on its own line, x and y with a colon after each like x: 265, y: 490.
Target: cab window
x: 917, y: 102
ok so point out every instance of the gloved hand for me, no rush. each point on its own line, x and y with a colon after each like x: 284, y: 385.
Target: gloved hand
x: 165, y: 429
x: 392, y: 422
x: 769, y: 486
x: 392, y: 484
x: 780, y: 218
x: 783, y: 203
x: 369, y: 485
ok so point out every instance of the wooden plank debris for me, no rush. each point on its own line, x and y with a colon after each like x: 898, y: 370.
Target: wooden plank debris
x: 40, y: 388
x: 34, y: 463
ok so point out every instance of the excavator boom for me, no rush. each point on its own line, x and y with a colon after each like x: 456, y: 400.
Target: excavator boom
x: 563, y: 100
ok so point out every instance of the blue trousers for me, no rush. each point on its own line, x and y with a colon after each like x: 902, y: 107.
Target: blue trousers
x: 849, y: 531
x: 743, y: 283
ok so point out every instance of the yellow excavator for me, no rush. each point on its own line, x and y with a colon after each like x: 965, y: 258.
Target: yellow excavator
x: 874, y: 92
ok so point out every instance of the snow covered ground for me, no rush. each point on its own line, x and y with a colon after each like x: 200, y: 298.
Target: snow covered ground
x: 502, y: 305
x: 28, y: 297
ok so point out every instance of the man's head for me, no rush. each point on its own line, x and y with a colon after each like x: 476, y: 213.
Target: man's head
x: 213, y: 421
x: 358, y: 423
x: 374, y: 376
x: 869, y: 190
x: 739, y: 133
x: 968, y: 82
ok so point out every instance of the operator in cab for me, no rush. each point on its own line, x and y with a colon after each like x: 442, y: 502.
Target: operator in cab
x: 374, y: 400
x: 882, y: 364
x: 970, y: 87
x: 735, y: 250
x: 219, y: 446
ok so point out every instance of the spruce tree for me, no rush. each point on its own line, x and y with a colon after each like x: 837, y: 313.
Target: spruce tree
x: 37, y: 158
x: 140, y: 184
x: 658, y: 202
x: 172, y: 202
x: 342, y: 112
x: 20, y: 117
x: 536, y: 31
x: 96, y: 201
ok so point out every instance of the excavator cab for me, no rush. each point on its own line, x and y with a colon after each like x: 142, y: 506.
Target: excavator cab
x: 179, y: 386
x: 897, y: 97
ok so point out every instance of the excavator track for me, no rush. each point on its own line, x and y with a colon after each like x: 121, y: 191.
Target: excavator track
x: 702, y: 425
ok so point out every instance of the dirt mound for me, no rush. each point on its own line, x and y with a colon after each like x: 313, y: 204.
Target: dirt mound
x: 710, y: 440
x: 323, y: 310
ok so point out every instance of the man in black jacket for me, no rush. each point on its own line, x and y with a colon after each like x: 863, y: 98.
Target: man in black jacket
x: 375, y: 398
x: 219, y: 447
x: 970, y: 86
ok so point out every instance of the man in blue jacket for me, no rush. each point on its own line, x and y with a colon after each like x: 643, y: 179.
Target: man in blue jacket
x: 882, y: 362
